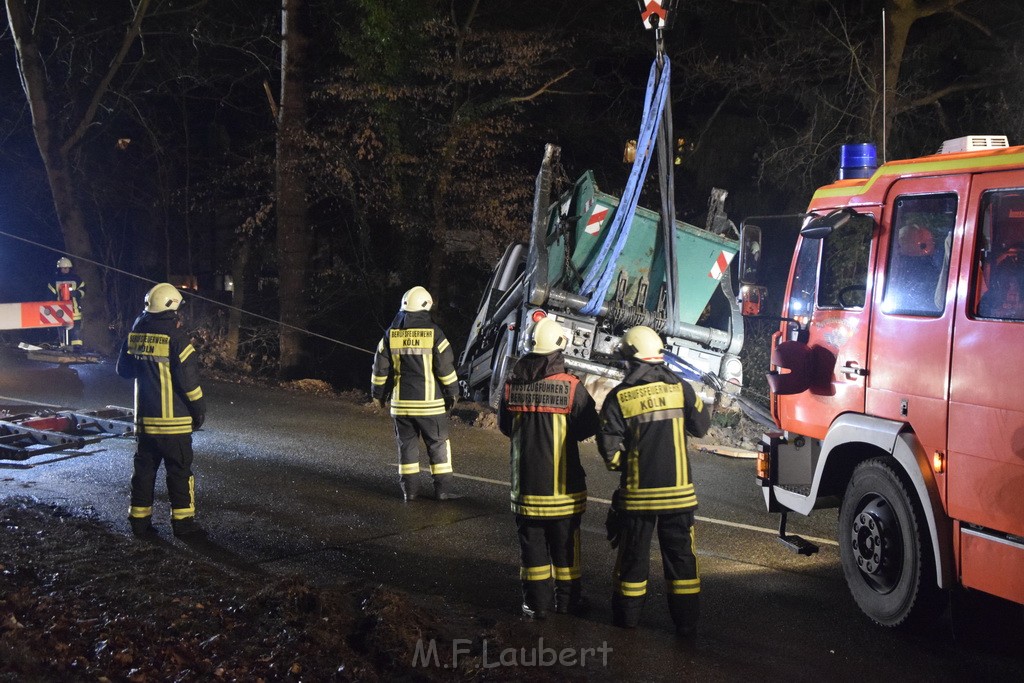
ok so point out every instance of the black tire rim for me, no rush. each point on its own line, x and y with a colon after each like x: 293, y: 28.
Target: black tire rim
x: 877, y: 544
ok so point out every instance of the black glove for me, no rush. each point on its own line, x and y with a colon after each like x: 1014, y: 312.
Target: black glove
x: 450, y: 402
x: 197, y: 420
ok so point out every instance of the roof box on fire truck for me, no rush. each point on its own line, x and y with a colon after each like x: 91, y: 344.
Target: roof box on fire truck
x: 974, y: 143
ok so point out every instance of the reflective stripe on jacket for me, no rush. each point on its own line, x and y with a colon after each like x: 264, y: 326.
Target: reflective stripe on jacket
x: 545, y: 411
x: 416, y: 361
x: 71, y: 286
x: 644, y: 422
x: 163, y: 363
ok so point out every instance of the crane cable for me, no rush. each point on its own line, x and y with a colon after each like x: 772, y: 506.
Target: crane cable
x: 190, y: 294
x: 601, y: 270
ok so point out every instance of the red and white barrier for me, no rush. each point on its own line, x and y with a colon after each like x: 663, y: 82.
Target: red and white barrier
x: 36, y: 314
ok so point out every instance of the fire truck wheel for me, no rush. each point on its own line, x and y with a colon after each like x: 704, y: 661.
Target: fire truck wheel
x: 885, y: 549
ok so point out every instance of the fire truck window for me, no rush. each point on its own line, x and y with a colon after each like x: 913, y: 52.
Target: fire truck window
x: 801, y: 295
x: 1000, y: 256
x: 844, y: 265
x: 919, y: 249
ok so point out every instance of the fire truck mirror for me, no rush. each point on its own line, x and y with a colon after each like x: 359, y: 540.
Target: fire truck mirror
x: 750, y: 254
x: 820, y: 227
x: 795, y: 358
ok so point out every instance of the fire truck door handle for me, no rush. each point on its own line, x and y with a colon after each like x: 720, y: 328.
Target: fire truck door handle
x: 852, y: 370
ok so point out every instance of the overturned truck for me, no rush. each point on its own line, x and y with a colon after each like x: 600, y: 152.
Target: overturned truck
x: 598, y: 280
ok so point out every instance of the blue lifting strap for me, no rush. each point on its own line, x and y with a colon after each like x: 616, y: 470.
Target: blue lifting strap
x: 599, y: 275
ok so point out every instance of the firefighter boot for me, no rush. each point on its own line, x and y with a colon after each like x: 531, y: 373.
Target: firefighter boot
x: 443, y: 488
x: 142, y: 527
x: 534, y: 613
x: 187, y: 528
x: 570, y: 599
x: 408, y: 490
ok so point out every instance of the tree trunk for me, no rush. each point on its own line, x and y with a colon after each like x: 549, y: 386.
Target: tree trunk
x: 32, y: 69
x: 293, y: 233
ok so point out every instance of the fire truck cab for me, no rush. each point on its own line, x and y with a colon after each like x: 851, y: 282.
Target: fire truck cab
x: 896, y: 376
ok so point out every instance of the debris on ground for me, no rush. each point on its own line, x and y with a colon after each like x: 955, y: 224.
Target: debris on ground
x: 79, y: 602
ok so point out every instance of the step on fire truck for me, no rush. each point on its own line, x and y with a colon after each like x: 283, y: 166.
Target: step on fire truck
x: 895, y: 376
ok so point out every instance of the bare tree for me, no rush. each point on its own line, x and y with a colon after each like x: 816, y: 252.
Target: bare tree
x: 56, y: 151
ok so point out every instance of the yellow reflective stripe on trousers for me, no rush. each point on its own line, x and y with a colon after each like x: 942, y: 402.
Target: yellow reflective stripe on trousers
x: 684, y: 586
x: 632, y: 589
x: 190, y: 511
x: 575, y: 571
x: 409, y: 468
x: 443, y: 467
x: 138, y: 512
x: 535, y: 573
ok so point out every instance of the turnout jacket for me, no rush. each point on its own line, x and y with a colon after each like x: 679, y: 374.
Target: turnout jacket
x: 644, y: 422
x: 420, y: 364
x: 544, y: 411
x: 162, y: 361
x: 71, y: 286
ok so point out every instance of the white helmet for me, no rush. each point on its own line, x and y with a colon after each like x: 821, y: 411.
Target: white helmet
x: 547, y: 337
x: 163, y: 297
x: 643, y: 344
x: 417, y: 299
x: 64, y: 262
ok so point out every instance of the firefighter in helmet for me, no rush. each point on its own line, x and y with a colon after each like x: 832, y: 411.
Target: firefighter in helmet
x: 415, y: 365
x: 643, y: 425
x: 67, y: 286
x: 169, y: 406
x: 545, y: 411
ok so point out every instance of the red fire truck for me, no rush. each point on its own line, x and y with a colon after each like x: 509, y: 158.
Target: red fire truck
x: 896, y: 377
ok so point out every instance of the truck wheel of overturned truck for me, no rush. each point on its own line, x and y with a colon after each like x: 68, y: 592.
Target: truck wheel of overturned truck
x: 885, y: 550
x: 502, y: 363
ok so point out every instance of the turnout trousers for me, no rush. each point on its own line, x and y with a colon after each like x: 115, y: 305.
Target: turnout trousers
x: 549, y: 548
x: 175, y: 452
x: 676, y: 538
x: 433, y: 429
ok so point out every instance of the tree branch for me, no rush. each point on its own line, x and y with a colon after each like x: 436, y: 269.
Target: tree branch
x: 541, y: 90
x: 90, y: 113
x: 933, y: 97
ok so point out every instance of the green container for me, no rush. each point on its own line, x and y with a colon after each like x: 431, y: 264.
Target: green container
x: 585, y: 215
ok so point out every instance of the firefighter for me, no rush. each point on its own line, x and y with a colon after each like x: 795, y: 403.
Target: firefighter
x: 169, y: 406
x: 415, y: 364
x: 67, y: 286
x: 642, y: 435
x: 545, y: 411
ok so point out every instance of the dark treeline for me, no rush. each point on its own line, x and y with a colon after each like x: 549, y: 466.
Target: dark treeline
x: 158, y: 137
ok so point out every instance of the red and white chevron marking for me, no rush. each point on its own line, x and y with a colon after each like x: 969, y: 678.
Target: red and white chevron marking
x: 721, y: 265
x: 597, y: 217
x: 24, y: 316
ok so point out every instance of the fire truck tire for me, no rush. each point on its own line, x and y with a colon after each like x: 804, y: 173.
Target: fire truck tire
x: 885, y: 549
x: 503, y: 362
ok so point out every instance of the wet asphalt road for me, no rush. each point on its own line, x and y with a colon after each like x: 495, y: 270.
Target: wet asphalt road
x: 295, y: 483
